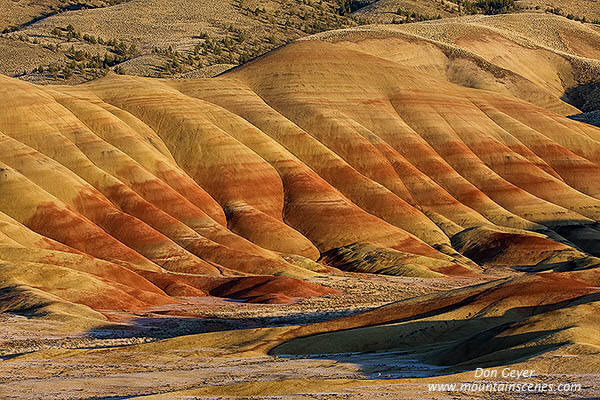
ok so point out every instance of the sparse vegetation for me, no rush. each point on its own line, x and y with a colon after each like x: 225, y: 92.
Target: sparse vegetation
x: 88, y: 56
x: 346, y: 7
x: 411, y: 16
x: 61, y: 6
x: 227, y: 42
x: 559, y: 11
x: 85, y: 64
x: 487, y: 6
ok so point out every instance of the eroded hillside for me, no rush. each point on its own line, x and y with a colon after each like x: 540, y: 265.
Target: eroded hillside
x: 416, y: 151
x: 422, y: 191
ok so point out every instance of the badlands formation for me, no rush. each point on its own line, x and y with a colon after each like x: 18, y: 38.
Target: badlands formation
x: 429, y: 152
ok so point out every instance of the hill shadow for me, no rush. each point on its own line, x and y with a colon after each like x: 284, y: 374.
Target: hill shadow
x: 158, y: 327
x: 416, y: 348
x: 590, y: 118
x: 585, y: 97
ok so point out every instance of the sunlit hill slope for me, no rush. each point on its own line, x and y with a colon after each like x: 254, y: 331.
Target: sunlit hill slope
x: 431, y: 149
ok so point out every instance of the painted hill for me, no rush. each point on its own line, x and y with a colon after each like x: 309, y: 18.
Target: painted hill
x: 430, y: 149
x: 499, y: 323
